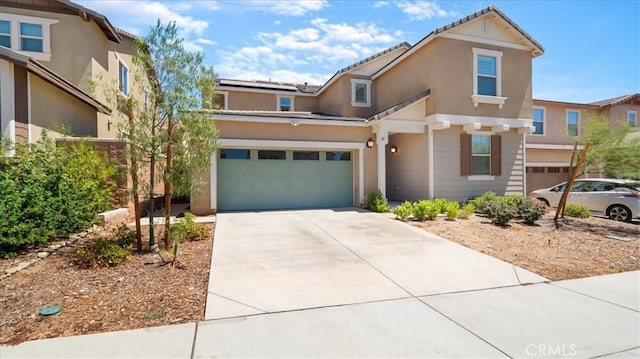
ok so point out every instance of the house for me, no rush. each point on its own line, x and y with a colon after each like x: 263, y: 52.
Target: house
x: 55, y: 80
x: 549, y: 146
x: 51, y: 78
x: 445, y: 117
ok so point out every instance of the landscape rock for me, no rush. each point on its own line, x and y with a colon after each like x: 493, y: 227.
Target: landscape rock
x: 43, y: 255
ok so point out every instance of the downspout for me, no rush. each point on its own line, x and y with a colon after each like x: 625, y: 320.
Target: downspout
x: 430, y: 159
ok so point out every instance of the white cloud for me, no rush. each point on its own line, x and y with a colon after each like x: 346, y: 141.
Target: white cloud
x: 289, y: 7
x: 421, y: 10
x: 380, y: 4
x: 325, y: 45
x: 138, y: 16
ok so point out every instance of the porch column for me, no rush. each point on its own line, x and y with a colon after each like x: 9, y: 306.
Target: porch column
x: 382, y: 138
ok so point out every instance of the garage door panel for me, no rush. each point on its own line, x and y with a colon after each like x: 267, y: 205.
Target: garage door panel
x: 305, y: 182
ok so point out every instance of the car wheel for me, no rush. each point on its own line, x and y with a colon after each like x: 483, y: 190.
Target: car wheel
x: 546, y: 203
x: 619, y: 212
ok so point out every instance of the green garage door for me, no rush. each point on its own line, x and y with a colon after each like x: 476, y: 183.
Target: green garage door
x: 279, y: 179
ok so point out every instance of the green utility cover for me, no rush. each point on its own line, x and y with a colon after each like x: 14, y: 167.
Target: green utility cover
x: 50, y: 310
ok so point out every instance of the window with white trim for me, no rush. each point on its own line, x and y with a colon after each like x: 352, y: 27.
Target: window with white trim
x: 632, y: 118
x: 487, y: 77
x: 5, y: 33
x: 360, y: 92
x: 573, y: 122
x: 123, y: 78
x: 27, y: 34
x: 285, y: 103
x: 30, y: 37
x: 539, y: 115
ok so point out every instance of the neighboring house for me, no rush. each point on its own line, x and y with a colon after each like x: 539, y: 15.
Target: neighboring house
x: 549, y: 147
x: 56, y: 60
x: 446, y: 117
x: 56, y: 57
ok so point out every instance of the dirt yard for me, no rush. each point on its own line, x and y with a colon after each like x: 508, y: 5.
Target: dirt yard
x: 578, y: 249
x: 143, y: 292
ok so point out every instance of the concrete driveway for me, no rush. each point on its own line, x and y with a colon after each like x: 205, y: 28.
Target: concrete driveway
x: 266, y: 262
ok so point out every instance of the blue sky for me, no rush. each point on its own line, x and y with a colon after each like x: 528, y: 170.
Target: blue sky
x: 592, y: 48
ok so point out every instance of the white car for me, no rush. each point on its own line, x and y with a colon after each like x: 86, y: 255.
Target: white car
x: 615, y: 198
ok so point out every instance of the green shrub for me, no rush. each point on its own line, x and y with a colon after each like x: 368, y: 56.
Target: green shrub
x: 500, y: 212
x: 483, y: 202
x: 125, y: 237
x: 187, y: 229
x: 102, y: 252
x: 577, y: 211
x: 403, y: 211
x: 467, y: 210
x: 374, y: 201
x: 531, y: 210
x: 453, y: 210
x: 441, y: 204
x: 425, y: 209
x: 48, y: 192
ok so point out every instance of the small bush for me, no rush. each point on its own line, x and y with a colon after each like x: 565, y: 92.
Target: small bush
x: 453, y: 211
x: 102, y: 252
x: 376, y: 202
x: 577, y: 211
x: 425, y: 209
x: 187, y: 229
x: 467, y: 210
x: 403, y: 211
x: 483, y: 202
x: 441, y: 204
x: 501, y: 212
x: 531, y: 210
x: 124, y: 236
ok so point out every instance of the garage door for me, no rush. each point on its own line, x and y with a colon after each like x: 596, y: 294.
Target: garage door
x: 280, y: 179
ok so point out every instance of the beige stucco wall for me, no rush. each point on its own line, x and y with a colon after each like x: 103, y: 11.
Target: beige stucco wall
x: 413, y: 75
x: 257, y: 101
x: 455, y: 80
x: 618, y: 113
x: 336, y: 98
x: 555, y: 131
x: 52, y: 108
x: 448, y: 182
x: 407, y: 170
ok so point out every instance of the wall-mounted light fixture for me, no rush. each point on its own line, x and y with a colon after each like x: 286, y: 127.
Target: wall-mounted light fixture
x: 394, y: 149
x: 370, y: 143
x: 295, y: 123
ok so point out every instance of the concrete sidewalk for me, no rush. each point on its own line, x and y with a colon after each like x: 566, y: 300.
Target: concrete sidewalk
x: 582, y: 318
x: 350, y: 283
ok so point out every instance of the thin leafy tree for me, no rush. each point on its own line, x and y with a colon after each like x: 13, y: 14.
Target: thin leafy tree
x: 186, y: 136
x: 602, y: 148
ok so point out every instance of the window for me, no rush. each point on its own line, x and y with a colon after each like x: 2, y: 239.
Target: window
x: 573, y: 122
x: 306, y: 155
x: 5, y: 33
x: 285, y: 103
x: 538, y: 120
x: 30, y: 37
x: 480, y: 155
x: 221, y: 100
x: 487, y: 77
x: 27, y: 34
x: 553, y: 170
x: 123, y: 78
x: 272, y: 155
x: 145, y: 100
x: 338, y: 156
x: 632, y: 118
x: 360, y: 92
x: 235, y: 154
x: 537, y: 169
